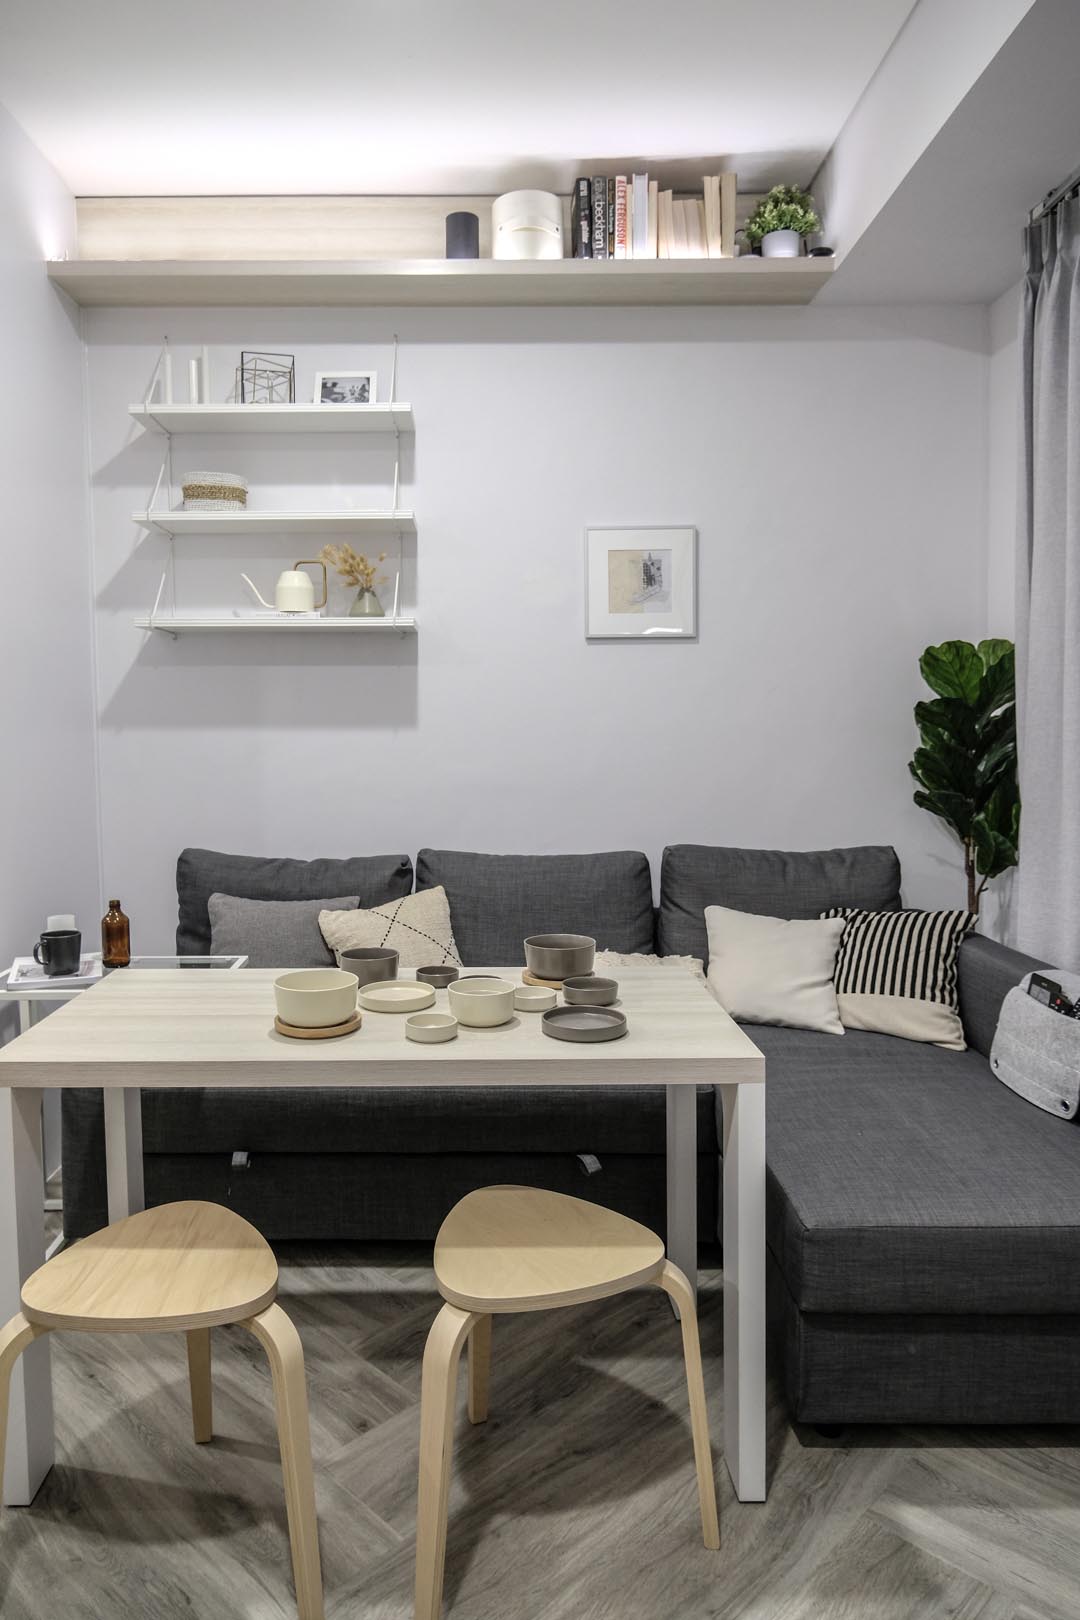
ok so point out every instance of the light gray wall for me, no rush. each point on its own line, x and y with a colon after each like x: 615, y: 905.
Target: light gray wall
x: 48, y: 811
x: 833, y: 462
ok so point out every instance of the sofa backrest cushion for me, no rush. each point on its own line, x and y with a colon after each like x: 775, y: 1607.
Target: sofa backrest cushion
x: 769, y: 883
x: 203, y: 872
x: 496, y: 901
x: 987, y: 972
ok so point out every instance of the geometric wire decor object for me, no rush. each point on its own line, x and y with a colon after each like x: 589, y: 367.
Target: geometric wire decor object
x: 267, y: 379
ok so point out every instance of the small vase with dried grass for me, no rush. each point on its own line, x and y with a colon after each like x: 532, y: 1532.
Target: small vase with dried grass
x: 355, y: 569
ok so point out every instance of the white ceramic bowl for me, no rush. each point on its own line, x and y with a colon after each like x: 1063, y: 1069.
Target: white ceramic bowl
x: 481, y: 1003
x: 315, y: 998
x: 533, y: 998
x: 431, y: 1027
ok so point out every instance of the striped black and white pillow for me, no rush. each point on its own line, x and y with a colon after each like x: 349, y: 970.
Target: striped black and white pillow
x: 896, y: 973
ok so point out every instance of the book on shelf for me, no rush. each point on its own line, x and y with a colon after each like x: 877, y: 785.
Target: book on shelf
x: 581, y: 220
x: 26, y: 974
x: 639, y: 236
x: 653, y: 190
x: 620, y: 217
x: 611, y: 217
x: 599, y: 216
x: 728, y: 190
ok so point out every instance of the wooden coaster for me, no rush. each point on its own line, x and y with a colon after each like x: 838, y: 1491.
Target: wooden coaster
x: 529, y: 977
x: 331, y: 1031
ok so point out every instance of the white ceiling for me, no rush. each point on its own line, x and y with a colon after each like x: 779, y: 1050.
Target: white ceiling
x: 136, y: 97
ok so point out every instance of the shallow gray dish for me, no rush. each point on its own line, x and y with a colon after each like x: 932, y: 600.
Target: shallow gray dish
x: 583, y: 1023
x: 555, y: 956
x: 590, y: 992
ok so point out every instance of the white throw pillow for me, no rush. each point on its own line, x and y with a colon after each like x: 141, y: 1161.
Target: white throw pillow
x: 417, y: 927
x: 767, y: 970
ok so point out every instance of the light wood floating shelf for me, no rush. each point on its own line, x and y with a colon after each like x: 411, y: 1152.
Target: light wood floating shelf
x: 386, y: 418
x: 176, y: 624
x: 157, y: 283
x: 179, y: 524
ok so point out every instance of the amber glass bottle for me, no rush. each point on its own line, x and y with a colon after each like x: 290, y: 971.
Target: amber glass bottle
x: 115, y: 937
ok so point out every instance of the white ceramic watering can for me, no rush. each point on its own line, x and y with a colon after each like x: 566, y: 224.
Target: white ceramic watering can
x: 294, y: 591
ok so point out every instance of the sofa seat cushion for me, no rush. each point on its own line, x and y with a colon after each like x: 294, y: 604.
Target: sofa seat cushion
x: 903, y: 1178
x: 416, y: 1119
x: 203, y: 872
x: 769, y: 883
x: 496, y: 901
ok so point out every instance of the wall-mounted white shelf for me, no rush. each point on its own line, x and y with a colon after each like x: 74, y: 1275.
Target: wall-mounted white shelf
x: 156, y: 283
x: 176, y: 624
x: 179, y: 524
x: 383, y: 418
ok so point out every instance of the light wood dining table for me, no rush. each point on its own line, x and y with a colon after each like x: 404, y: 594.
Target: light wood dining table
x: 162, y: 1030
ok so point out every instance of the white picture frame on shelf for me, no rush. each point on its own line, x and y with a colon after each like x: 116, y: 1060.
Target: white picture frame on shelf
x: 641, y: 584
x: 345, y: 387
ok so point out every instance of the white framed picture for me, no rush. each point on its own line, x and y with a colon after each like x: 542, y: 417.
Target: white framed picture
x: 345, y: 388
x: 641, y: 584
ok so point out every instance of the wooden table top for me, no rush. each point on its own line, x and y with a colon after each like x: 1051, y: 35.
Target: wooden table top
x: 207, y: 1028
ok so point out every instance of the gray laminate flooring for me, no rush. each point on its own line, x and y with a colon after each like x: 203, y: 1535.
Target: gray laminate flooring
x: 575, y: 1501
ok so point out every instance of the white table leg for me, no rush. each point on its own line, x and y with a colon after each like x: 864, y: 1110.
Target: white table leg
x: 682, y: 1180
x: 744, y: 1289
x: 22, y: 1250
x: 123, y: 1151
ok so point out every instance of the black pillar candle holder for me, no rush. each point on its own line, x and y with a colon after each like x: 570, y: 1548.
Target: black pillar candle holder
x: 462, y: 236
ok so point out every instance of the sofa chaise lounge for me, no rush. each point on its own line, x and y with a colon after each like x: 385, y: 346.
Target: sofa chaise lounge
x: 923, y: 1222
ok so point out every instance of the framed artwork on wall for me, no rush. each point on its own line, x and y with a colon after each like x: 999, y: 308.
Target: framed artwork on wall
x: 344, y: 388
x: 640, y: 584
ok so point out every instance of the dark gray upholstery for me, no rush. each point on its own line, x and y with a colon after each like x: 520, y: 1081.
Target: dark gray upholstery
x: 203, y: 872
x: 926, y: 1369
x: 987, y: 972
x: 548, y: 1119
x: 769, y: 883
x: 904, y: 1178
x: 497, y: 900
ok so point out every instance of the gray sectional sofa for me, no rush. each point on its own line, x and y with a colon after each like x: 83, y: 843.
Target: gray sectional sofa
x: 923, y: 1222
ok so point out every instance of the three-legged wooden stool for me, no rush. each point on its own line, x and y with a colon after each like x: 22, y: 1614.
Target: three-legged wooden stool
x: 185, y: 1267
x: 521, y: 1249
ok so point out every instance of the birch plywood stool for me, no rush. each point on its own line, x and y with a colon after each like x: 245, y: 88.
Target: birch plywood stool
x: 508, y: 1249
x: 185, y: 1268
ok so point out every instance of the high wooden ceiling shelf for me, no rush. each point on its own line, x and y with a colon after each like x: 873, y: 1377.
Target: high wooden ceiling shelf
x: 151, y: 283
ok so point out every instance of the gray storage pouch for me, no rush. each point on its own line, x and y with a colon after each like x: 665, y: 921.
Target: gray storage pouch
x: 1036, y: 1051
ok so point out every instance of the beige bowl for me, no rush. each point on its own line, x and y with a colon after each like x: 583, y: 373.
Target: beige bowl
x: 315, y: 998
x: 431, y: 1028
x: 533, y: 998
x: 481, y: 1003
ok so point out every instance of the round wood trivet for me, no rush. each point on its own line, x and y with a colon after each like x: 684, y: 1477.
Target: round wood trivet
x: 529, y: 977
x: 299, y: 1033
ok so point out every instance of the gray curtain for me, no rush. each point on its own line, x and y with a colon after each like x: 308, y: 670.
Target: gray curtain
x: 1048, y: 592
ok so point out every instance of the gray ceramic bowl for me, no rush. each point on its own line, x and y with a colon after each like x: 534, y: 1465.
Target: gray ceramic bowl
x: 440, y: 977
x: 590, y: 992
x: 369, y: 962
x: 556, y: 956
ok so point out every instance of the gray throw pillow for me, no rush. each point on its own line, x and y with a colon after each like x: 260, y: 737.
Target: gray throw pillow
x: 273, y: 933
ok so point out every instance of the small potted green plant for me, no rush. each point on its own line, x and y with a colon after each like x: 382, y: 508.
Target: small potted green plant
x: 780, y: 221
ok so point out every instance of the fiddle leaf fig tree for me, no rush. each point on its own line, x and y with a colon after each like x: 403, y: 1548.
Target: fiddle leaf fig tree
x: 966, y: 762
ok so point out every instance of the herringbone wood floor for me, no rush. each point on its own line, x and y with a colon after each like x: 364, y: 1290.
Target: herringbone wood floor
x: 574, y: 1502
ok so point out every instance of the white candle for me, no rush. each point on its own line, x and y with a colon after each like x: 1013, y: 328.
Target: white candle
x: 193, y: 381
x: 168, y: 377
x: 205, y: 375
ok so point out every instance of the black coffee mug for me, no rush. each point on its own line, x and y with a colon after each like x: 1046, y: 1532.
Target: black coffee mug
x: 59, y: 951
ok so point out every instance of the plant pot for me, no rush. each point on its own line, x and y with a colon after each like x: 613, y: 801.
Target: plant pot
x: 366, y: 606
x: 781, y: 245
